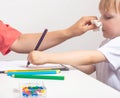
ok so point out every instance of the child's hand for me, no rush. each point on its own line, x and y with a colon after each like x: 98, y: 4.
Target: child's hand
x: 37, y: 57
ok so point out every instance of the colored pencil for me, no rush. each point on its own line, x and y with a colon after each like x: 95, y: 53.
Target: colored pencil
x: 63, y: 68
x: 34, y: 72
x: 39, y: 43
x: 39, y: 77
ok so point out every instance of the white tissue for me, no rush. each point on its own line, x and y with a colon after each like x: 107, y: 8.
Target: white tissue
x: 98, y: 24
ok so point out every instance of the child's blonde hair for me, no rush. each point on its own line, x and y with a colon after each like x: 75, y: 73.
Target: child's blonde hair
x: 110, y: 5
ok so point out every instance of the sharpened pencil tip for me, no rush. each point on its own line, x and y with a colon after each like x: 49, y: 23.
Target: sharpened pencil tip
x: 28, y: 63
x: 2, y: 71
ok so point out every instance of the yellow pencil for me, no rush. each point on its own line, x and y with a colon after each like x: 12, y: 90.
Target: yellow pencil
x: 30, y: 70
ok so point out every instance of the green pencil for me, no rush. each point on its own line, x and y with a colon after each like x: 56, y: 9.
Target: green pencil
x: 38, y: 77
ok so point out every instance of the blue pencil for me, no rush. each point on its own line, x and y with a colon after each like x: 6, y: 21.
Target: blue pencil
x: 34, y: 72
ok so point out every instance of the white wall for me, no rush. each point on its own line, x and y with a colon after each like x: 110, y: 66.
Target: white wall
x: 35, y: 15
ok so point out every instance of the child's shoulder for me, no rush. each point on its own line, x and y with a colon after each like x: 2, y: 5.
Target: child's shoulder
x: 111, y: 42
x: 116, y: 39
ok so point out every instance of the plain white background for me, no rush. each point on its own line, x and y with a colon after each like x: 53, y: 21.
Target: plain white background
x: 30, y: 16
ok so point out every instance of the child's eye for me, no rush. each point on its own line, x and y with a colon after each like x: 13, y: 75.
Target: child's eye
x: 107, y: 17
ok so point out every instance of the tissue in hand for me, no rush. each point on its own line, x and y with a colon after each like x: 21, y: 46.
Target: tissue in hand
x: 98, y: 24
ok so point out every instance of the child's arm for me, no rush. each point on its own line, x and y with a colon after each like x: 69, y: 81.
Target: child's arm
x: 74, y: 58
x: 26, y: 42
x: 88, y: 69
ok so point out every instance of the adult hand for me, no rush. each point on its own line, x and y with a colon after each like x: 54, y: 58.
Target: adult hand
x: 82, y: 26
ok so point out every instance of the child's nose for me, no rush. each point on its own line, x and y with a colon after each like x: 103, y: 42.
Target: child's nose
x: 101, y: 19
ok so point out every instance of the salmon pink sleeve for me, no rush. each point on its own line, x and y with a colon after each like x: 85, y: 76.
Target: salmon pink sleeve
x: 7, y: 37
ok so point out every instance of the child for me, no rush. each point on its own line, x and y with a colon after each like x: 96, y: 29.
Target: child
x: 106, y: 59
x: 11, y: 39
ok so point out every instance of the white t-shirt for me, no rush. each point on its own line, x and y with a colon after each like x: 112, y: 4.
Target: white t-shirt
x: 108, y: 72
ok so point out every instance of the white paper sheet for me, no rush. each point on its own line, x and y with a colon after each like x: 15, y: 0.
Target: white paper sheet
x: 19, y: 65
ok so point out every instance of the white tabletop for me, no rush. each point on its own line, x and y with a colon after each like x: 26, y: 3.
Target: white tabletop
x: 75, y: 85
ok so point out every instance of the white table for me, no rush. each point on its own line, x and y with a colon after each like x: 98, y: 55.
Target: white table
x: 75, y: 85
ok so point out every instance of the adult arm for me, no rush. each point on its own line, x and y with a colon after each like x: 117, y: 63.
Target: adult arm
x: 26, y: 42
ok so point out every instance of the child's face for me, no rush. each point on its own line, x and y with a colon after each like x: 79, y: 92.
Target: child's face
x: 111, y: 24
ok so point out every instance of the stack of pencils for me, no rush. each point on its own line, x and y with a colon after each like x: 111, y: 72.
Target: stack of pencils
x: 34, y: 74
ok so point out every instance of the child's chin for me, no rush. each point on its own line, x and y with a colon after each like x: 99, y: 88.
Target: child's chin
x: 105, y: 36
